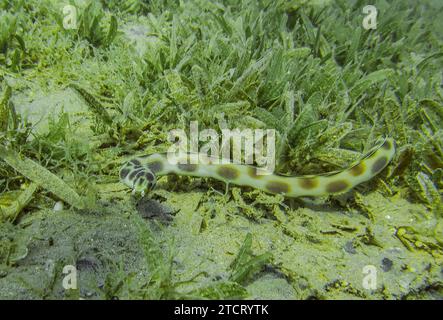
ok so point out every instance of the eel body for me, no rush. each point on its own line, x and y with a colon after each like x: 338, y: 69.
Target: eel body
x: 141, y: 173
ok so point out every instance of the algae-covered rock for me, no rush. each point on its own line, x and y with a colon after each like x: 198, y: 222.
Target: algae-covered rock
x: 45, y: 110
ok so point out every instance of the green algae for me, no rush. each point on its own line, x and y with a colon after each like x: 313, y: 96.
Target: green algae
x: 41, y: 176
x: 315, y: 259
x: 202, y: 263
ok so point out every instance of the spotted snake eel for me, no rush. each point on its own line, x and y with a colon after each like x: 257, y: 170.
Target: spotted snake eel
x: 141, y: 173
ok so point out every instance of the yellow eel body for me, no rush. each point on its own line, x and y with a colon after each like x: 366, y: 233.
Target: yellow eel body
x: 141, y: 173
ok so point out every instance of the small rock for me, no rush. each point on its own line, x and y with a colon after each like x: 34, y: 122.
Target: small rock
x: 58, y: 206
x: 151, y: 209
x: 386, y: 264
x: 349, y: 247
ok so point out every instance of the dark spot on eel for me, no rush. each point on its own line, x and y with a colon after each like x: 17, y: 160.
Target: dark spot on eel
x: 135, y: 162
x: 387, y: 145
x: 308, y: 183
x: 123, y: 173
x: 379, y: 164
x: 155, y: 166
x: 277, y: 187
x: 358, y: 169
x: 337, y: 186
x: 187, y: 167
x: 228, y: 173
